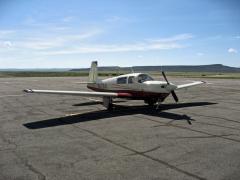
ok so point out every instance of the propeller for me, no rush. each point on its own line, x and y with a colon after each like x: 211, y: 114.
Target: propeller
x: 174, y: 96
x: 163, y: 73
x: 172, y: 92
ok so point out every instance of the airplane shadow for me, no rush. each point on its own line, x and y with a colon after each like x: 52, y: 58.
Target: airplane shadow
x: 118, y: 112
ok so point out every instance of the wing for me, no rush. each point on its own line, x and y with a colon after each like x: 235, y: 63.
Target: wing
x: 80, y: 93
x: 190, y: 84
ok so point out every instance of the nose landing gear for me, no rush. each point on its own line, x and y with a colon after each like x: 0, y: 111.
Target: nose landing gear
x: 151, y: 101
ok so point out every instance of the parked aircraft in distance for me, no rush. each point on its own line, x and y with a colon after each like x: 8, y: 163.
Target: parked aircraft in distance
x: 138, y: 86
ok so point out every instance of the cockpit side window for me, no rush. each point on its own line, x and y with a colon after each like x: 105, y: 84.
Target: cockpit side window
x: 130, y: 79
x: 122, y: 80
x: 144, y: 77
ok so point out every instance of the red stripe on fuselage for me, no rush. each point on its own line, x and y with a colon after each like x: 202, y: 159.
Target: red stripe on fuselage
x: 132, y: 94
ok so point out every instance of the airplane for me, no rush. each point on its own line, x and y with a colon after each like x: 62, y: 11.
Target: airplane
x: 133, y: 86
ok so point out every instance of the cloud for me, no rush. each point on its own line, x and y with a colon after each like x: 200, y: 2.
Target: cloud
x: 232, y: 50
x: 145, y: 45
x: 179, y: 37
x: 5, y: 45
x: 67, y: 43
x: 54, y: 41
x: 113, y: 19
x: 200, y: 54
x: 29, y: 21
x: 237, y: 37
x: 6, y: 33
x: 102, y: 48
x: 68, y: 18
x: 118, y: 19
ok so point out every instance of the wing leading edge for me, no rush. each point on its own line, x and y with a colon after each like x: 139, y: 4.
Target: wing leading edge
x: 190, y: 84
x: 79, y: 93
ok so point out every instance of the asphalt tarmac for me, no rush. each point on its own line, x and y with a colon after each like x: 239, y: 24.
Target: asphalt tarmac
x: 70, y: 137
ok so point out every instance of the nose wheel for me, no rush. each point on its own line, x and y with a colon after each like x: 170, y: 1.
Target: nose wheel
x: 151, y: 102
x: 159, y: 101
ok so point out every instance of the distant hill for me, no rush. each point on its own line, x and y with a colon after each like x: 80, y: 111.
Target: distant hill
x: 177, y: 68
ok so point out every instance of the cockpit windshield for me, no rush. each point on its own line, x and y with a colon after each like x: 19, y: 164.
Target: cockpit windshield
x: 144, y: 77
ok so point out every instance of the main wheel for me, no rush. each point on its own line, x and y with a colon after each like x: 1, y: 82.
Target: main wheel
x: 110, y: 107
x: 150, y: 102
x: 108, y: 103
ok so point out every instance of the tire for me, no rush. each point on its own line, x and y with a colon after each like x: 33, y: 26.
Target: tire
x: 150, y: 102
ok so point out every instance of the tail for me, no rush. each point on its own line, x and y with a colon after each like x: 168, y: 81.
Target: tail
x: 93, y: 73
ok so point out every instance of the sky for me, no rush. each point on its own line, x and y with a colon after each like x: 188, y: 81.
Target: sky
x: 72, y: 33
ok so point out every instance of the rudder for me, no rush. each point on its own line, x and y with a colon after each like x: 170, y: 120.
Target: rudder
x: 93, y: 73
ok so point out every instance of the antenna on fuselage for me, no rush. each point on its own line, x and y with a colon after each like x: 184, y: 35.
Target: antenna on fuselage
x: 132, y: 70
x: 118, y: 70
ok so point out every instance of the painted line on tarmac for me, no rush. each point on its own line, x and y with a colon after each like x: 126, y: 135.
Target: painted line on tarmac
x: 91, y: 99
x: 13, y: 95
x: 5, y: 82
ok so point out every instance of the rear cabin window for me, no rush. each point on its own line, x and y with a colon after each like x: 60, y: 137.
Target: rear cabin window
x: 130, y: 79
x: 122, y: 80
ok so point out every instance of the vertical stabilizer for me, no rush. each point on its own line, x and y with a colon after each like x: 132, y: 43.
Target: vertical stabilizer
x: 93, y: 74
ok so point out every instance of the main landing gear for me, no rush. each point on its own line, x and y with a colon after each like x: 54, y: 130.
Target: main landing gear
x: 154, y: 101
x: 108, y: 103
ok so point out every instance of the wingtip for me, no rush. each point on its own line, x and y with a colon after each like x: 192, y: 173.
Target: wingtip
x: 28, y: 90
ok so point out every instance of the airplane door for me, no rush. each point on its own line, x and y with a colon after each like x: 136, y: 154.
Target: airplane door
x: 132, y: 83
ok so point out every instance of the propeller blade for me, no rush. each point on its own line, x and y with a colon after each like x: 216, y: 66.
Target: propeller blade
x: 174, y: 96
x: 163, y: 73
x: 172, y: 92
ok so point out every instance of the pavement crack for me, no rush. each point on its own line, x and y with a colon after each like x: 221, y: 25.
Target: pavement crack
x: 142, y: 154
x: 216, y: 117
x: 217, y: 125
x: 200, y: 137
x: 40, y: 175
x: 190, y: 129
x: 147, y: 151
x: 9, y: 142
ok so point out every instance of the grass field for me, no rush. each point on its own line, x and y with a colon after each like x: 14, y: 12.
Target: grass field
x: 72, y: 74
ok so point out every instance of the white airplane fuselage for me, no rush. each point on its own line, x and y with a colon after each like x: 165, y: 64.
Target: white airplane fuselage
x: 133, y: 84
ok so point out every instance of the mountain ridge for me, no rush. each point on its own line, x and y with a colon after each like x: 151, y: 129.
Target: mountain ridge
x: 168, y: 68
